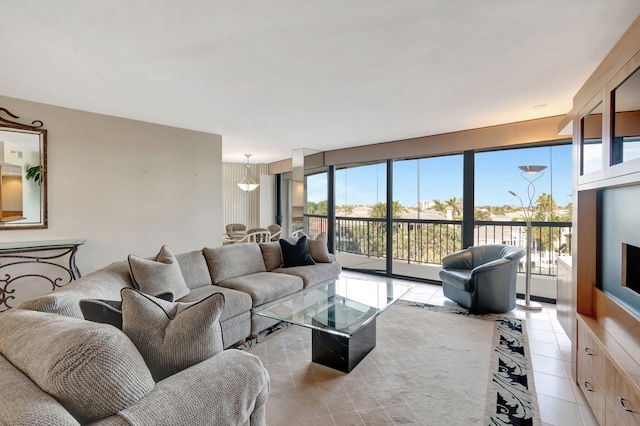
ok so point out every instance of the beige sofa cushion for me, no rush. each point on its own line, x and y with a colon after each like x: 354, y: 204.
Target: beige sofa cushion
x: 235, y: 302
x: 234, y: 260
x: 264, y: 287
x: 92, y: 369
x: 194, y: 269
x: 318, y: 249
x: 159, y: 275
x: 272, y: 255
x: 172, y: 336
x: 319, y: 273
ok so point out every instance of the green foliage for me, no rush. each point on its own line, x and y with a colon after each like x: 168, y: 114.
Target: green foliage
x: 439, y: 207
x: 345, y: 209
x: 380, y: 210
x: 545, y: 208
x: 455, y: 205
x: 481, y: 214
x: 320, y: 208
x: 34, y: 173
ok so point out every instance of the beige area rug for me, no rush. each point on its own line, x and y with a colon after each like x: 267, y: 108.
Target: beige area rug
x: 431, y: 366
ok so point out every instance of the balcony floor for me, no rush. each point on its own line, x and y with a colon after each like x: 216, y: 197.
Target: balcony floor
x: 541, y: 285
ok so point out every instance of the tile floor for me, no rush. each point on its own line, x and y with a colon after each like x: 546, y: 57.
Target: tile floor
x: 560, y: 400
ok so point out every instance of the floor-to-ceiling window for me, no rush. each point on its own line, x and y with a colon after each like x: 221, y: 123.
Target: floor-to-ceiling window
x: 316, y: 203
x: 427, y: 219
x: 361, y: 205
x: 427, y: 223
x: 505, y: 195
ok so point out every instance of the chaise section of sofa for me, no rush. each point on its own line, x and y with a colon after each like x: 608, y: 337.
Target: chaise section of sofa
x: 60, y: 370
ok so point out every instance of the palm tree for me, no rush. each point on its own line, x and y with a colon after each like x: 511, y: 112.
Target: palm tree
x: 439, y: 207
x: 453, y: 203
x: 545, y: 207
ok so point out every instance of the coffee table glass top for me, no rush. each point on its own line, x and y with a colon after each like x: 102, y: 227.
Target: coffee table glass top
x: 341, y: 307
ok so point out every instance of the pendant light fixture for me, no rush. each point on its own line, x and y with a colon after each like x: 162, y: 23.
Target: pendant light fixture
x: 247, y: 183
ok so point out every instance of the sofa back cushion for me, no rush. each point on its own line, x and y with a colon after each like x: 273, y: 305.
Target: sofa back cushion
x: 92, y: 369
x: 194, y: 269
x: 233, y: 261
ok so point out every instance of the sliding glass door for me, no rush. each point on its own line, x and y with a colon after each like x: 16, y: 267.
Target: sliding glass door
x: 361, y: 231
x: 427, y: 214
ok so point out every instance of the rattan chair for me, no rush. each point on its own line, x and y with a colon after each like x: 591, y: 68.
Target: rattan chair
x: 275, y: 230
x: 256, y: 235
x: 236, y: 231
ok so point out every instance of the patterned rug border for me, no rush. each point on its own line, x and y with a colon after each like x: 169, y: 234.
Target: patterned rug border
x: 511, y: 374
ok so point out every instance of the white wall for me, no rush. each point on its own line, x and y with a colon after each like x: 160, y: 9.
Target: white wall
x: 125, y: 186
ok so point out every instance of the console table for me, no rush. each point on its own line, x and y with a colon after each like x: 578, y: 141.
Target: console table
x: 36, y: 262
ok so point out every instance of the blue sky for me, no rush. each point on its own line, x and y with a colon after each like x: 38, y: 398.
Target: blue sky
x: 496, y: 174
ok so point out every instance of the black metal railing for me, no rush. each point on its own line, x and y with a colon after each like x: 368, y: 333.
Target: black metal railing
x: 421, y: 241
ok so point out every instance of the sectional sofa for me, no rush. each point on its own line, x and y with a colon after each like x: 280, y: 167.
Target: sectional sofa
x: 57, y: 368
x: 250, y: 275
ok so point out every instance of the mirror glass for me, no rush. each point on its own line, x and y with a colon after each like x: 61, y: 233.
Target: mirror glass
x: 23, y: 202
x: 591, y: 144
x: 626, y: 120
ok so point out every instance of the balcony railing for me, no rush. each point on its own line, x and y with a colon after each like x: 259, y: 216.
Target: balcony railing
x: 417, y: 241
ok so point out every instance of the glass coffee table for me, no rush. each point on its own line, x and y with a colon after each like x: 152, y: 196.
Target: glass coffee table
x: 342, y: 318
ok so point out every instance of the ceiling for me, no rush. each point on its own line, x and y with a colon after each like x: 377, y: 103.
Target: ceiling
x: 274, y: 76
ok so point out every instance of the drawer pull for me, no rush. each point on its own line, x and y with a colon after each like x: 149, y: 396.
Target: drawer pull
x: 624, y: 406
x: 588, y: 351
x: 587, y: 386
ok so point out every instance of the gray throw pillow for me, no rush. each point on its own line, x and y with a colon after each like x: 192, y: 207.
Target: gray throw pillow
x: 234, y: 260
x: 318, y: 249
x: 159, y: 275
x: 172, y: 336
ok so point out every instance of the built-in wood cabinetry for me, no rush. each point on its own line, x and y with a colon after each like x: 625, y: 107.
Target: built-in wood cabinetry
x: 605, y: 323
x: 607, y: 375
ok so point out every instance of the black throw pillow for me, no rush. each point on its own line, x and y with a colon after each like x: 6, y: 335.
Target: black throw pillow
x: 109, y: 311
x: 296, y: 254
x: 104, y: 311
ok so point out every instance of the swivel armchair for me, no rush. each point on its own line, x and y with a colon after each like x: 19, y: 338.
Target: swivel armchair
x: 482, y: 278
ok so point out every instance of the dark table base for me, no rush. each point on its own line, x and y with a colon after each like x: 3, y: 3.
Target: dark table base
x: 342, y: 353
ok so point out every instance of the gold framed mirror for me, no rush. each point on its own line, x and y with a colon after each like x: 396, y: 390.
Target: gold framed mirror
x: 23, y: 173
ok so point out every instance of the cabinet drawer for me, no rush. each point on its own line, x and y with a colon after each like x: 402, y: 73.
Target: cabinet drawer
x: 590, y: 351
x: 623, y: 399
x: 592, y: 390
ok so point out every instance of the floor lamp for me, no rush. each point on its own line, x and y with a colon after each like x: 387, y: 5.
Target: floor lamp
x: 530, y: 174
